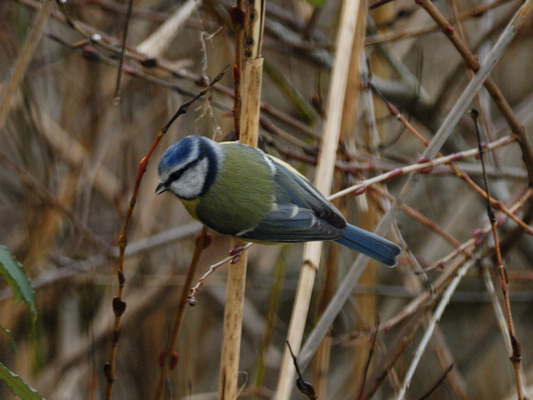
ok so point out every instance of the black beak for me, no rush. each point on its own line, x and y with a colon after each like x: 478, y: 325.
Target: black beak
x: 161, y: 188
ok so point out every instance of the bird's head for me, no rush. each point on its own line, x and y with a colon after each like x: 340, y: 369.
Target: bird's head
x: 189, y: 167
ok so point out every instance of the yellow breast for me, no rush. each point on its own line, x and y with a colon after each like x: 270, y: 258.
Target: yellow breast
x: 191, y: 206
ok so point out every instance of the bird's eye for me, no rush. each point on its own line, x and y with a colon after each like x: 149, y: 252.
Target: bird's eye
x: 175, y: 176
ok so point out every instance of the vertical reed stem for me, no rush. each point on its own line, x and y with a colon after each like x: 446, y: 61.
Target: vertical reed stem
x: 323, y: 180
x: 249, y: 132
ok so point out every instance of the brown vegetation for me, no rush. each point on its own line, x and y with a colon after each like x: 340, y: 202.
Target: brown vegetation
x: 389, y: 91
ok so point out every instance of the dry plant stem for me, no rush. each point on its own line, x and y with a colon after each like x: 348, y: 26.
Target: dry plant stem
x: 484, y: 231
x: 249, y: 134
x: 80, y: 267
x: 420, y: 300
x: 348, y: 124
x: 515, y: 344
x: 50, y: 199
x: 392, y: 36
x: 232, y: 328
x: 421, y: 166
x: 384, y: 366
x: 26, y: 54
x: 473, y: 63
x: 431, y: 327
x: 211, y: 269
x: 110, y: 43
x: 238, y: 26
x: 459, y: 173
x: 500, y: 318
x: 424, y: 166
x: 119, y: 305
x: 421, y: 218
x: 369, y: 215
x: 438, y: 140
x: 272, y: 315
x: 161, y: 39
x: 123, y: 53
x: 178, y: 318
x: 413, y: 305
x: 323, y: 181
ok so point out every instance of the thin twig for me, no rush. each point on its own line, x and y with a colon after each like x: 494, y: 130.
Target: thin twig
x: 110, y: 43
x: 456, y: 170
x: 424, y: 165
x: 304, y: 387
x: 123, y: 53
x: 373, y: 341
x: 428, y: 394
x: 237, y: 20
x: 161, y: 39
x: 500, y: 317
x: 431, y: 326
x: 119, y: 306
x: 191, y: 298
x: 416, y: 31
x: 50, y: 199
x: 496, y: 52
x: 344, y: 290
x: 515, y: 344
x: 202, y: 242
x: 421, y: 218
x: 26, y: 54
x: 72, y: 269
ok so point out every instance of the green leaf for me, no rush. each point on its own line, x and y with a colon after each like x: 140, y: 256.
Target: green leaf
x: 17, y: 385
x: 8, y: 333
x: 316, y: 3
x: 14, y: 273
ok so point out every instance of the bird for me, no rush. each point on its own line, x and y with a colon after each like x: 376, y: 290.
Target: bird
x: 239, y: 190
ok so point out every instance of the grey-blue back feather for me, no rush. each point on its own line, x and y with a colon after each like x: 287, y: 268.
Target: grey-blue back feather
x: 291, y: 224
x: 293, y: 189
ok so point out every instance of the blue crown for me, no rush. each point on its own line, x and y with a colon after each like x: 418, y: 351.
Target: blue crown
x: 177, y: 153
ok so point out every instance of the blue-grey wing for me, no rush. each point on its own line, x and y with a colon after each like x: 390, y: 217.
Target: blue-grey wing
x: 289, y: 223
x: 294, y: 189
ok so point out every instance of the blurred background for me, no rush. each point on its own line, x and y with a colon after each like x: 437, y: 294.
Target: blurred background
x: 69, y: 158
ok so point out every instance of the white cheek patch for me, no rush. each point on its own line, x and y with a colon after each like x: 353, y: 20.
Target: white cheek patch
x: 191, y: 182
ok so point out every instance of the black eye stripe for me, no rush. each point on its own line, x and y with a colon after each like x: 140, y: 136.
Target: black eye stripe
x: 177, y: 174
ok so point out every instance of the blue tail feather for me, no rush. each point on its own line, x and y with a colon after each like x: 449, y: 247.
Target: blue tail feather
x: 369, y: 244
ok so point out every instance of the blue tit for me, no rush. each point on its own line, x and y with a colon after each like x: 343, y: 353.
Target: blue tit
x: 239, y: 190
